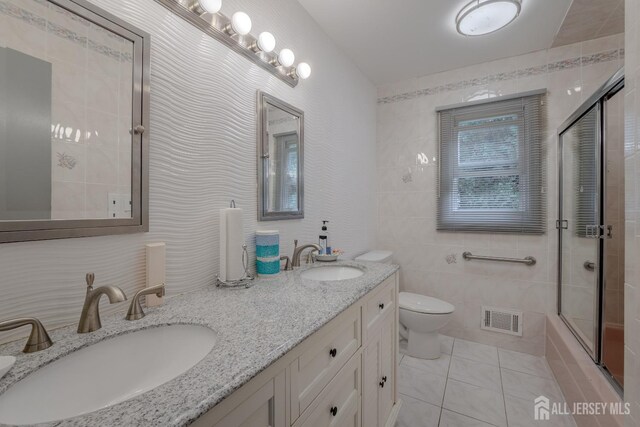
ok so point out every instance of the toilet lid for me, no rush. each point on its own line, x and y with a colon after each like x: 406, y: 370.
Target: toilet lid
x: 424, y: 304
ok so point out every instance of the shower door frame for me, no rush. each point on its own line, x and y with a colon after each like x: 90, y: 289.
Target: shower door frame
x: 598, y: 100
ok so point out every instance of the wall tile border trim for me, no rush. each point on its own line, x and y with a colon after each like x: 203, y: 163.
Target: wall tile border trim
x: 566, y: 64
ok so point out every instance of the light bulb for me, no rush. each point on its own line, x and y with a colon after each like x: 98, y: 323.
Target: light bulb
x: 303, y: 70
x: 210, y: 6
x: 286, y: 57
x: 240, y: 23
x: 266, y: 41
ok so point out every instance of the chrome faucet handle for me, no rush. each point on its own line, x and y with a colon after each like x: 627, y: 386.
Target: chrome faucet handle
x: 135, y: 308
x: 287, y: 264
x: 310, y: 258
x: 90, y: 278
x: 38, y: 339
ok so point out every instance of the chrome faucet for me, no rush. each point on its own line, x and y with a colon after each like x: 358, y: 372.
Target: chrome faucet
x: 297, y: 251
x: 38, y: 339
x: 135, y: 309
x: 90, y: 317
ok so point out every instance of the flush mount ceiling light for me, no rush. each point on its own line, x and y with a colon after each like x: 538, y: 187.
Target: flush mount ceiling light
x: 481, y: 17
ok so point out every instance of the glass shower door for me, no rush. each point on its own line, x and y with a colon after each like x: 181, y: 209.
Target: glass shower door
x: 580, y: 230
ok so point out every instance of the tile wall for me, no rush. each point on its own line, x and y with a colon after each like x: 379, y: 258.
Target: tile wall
x: 407, y: 146
x: 203, y: 154
x: 632, y: 214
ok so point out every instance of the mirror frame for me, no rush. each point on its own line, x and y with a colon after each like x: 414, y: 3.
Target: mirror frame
x: 263, y: 100
x: 20, y: 231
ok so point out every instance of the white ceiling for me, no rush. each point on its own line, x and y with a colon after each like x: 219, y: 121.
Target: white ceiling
x: 395, y: 40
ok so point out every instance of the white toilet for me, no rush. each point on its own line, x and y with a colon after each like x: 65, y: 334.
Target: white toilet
x: 421, y: 317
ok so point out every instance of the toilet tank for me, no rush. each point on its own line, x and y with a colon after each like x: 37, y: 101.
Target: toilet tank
x: 376, y: 256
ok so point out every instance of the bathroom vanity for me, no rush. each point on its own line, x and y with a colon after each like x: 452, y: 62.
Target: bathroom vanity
x: 344, y: 374
x: 289, y: 351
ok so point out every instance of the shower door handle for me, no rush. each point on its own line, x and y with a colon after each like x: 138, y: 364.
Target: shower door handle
x: 590, y: 266
x: 599, y: 231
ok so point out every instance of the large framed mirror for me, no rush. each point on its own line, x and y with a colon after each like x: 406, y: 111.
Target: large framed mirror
x: 280, y: 159
x: 74, y: 122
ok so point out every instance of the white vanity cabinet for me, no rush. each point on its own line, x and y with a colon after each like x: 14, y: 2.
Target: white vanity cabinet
x: 342, y: 375
x: 379, y: 356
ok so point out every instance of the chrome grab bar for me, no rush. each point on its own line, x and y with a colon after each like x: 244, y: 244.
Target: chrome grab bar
x: 529, y: 260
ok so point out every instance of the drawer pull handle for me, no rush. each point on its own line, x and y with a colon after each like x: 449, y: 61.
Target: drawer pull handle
x: 381, y: 306
x: 384, y: 380
x: 333, y: 352
x: 333, y: 410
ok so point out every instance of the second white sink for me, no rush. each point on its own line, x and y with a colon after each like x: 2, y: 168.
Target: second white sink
x: 330, y: 273
x: 105, y: 373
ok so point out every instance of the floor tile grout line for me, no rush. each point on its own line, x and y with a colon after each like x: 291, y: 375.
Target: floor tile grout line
x: 446, y: 381
x: 469, y: 416
x: 504, y: 399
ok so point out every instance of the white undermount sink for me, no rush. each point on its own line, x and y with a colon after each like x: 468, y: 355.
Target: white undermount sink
x: 330, y: 273
x: 105, y: 373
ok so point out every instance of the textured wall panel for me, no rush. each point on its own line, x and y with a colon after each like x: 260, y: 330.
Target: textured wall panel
x: 203, y: 153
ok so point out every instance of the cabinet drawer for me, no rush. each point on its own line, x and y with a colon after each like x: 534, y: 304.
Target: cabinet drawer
x: 339, y: 403
x: 381, y: 302
x: 320, y: 362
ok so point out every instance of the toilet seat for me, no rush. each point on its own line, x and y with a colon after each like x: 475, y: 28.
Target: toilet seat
x: 424, y: 304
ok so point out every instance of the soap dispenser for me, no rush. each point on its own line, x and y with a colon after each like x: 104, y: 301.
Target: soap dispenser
x: 323, y: 239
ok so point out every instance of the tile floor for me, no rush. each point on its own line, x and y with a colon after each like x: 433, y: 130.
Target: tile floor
x: 475, y: 385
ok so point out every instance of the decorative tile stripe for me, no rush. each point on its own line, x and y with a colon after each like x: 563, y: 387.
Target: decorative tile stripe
x: 565, y: 64
x: 65, y: 33
x: 13, y: 11
x: 42, y: 24
x: 104, y: 50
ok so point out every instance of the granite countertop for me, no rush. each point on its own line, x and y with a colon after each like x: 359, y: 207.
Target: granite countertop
x: 255, y: 327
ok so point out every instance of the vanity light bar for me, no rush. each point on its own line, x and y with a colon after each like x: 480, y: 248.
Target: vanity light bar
x: 235, y: 33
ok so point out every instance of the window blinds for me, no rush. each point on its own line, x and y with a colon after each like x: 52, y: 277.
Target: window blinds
x: 492, y: 167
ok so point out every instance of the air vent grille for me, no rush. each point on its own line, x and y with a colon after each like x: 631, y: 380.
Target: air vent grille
x: 502, y: 320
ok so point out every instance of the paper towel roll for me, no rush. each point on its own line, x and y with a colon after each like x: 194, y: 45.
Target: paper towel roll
x: 231, y: 241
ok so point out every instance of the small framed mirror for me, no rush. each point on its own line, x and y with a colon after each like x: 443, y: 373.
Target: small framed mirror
x: 74, y: 122
x: 280, y: 159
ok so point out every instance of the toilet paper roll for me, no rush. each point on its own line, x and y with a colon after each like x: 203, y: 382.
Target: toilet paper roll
x: 231, y: 241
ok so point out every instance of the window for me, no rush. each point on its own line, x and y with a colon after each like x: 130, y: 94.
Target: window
x: 492, y: 167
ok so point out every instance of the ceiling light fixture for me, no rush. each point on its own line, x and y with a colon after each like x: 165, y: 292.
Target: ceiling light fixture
x: 480, y: 17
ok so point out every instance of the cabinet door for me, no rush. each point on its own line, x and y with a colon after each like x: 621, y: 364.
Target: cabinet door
x: 386, y: 380
x: 370, y: 371
x: 378, y: 305
x: 339, y: 403
x: 320, y: 362
x: 264, y: 408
